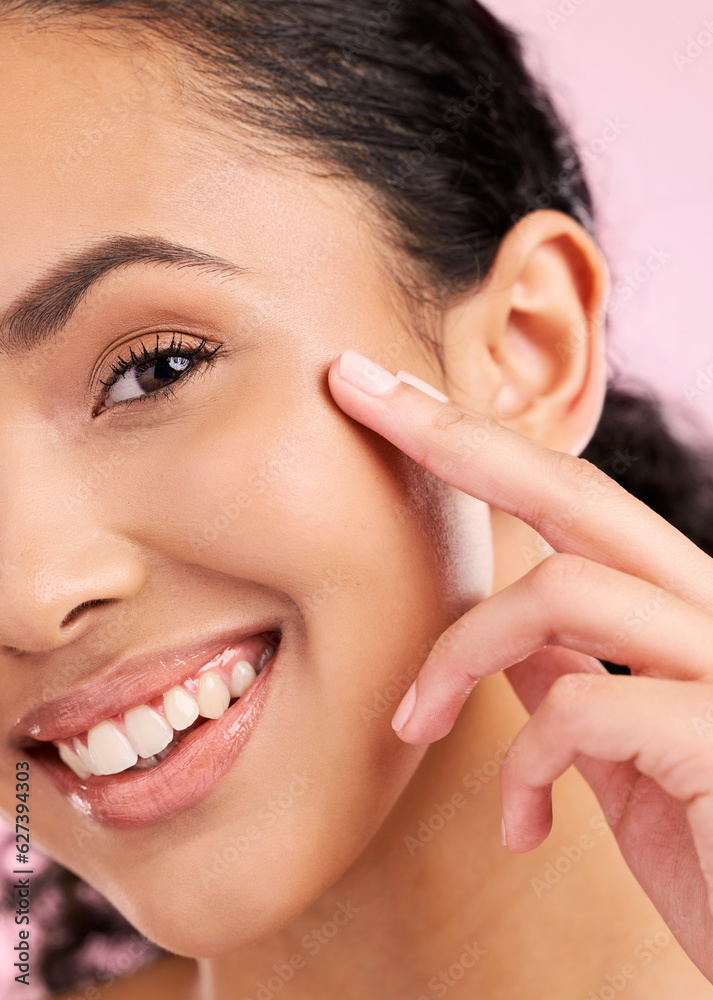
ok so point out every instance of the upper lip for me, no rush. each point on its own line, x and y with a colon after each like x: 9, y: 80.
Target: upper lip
x: 122, y: 685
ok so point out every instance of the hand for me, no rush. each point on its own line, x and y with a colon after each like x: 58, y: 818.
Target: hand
x: 623, y: 585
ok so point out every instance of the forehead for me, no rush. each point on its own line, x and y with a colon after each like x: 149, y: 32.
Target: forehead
x: 101, y: 137
x: 89, y: 118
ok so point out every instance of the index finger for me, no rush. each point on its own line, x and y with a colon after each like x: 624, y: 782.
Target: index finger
x: 571, y: 503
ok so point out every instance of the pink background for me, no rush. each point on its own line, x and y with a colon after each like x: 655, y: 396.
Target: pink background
x: 613, y: 61
x: 653, y: 184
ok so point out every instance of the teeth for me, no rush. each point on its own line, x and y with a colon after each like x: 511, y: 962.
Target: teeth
x: 241, y: 677
x: 181, y: 710
x: 84, y: 755
x: 213, y: 696
x: 72, y: 760
x: 150, y: 735
x: 110, y: 749
x: 147, y: 731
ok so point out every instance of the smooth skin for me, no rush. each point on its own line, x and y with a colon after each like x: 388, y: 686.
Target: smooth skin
x: 367, y: 555
x: 650, y: 734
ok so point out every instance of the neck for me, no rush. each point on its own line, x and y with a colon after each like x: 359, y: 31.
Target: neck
x: 434, y: 890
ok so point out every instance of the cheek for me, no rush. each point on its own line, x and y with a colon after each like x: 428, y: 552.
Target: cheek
x: 372, y: 555
x: 360, y: 547
x: 292, y: 495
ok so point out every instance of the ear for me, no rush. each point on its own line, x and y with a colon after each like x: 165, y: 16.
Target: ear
x: 527, y: 347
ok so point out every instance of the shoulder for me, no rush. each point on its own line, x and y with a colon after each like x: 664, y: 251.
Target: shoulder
x: 168, y: 978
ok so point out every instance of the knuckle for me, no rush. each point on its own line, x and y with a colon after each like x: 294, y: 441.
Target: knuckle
x: 560, y: 571
x: 581, y: 474
x: 448, y: 417
x: 565, y: 690
x: 465, y: 434
x: 446, y: 437
x: 511, y: 756
x: 575, y: 484
x: 506, y: 765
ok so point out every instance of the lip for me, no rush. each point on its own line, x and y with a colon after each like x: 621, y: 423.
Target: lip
x: 123, y: 685
x: 134, y: 799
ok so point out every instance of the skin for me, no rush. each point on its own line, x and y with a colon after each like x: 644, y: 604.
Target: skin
x: 345, y: 471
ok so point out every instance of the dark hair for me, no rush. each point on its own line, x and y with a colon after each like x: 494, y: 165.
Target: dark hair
x: 428, y: 105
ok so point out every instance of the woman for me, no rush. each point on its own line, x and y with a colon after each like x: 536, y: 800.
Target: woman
x: 248, y: 216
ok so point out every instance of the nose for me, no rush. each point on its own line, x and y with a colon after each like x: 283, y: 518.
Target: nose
x: 57, y: 561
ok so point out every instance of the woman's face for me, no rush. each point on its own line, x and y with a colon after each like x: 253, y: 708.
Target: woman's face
x: 245, y: 501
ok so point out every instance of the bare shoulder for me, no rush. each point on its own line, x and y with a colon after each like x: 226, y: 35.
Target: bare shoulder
x: 168, y: 978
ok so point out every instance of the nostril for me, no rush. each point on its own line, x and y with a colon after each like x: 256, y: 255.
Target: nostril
x: 78, y: 610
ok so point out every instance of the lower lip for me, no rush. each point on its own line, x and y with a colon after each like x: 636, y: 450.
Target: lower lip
x: 133, y: 799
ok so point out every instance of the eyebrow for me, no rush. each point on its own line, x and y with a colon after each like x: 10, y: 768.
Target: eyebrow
x: 48, y: 304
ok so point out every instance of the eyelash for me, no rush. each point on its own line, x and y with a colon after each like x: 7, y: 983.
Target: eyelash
x: 148, y: 357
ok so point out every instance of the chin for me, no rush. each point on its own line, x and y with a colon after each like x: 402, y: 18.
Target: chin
x: 181, y: 912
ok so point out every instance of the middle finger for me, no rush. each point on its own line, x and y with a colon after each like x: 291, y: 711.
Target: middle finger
x: 565, y: 601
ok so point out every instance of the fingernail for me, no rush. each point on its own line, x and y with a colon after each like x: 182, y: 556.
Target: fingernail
x: 405, y: 710
x: 365, y: 374
x: 503, y: 839
x: 419, y: 383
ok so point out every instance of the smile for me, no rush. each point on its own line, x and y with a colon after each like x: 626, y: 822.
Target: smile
x: 143, y: 736
x: 194, y: 710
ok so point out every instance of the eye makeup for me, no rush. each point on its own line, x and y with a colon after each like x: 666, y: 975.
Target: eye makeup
x: 153, y: 371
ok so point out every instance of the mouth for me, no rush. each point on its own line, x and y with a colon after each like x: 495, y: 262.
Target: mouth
x: 160, y: 757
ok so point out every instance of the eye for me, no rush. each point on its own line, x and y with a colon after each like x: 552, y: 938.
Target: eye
x: 153, y: 371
